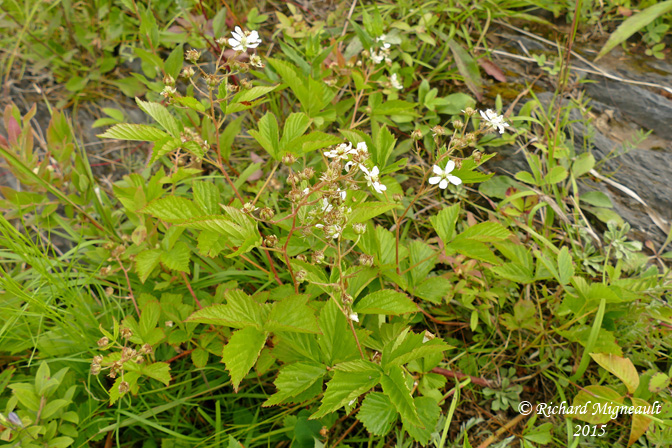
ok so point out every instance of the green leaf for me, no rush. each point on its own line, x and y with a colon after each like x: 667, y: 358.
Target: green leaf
x: 159, y: 371
x: 565, y: 266
x: 60, y: 442
x: 429, y: 412
x: 173, y: 209
x: 241, y: 353
x: 591, y: 396
x: 367, y: 210
x: 268, y: 135
x: 467, y: 68
x: 161, y: 115
x: 383, y: 147
x: 385, y: 301
x: 515, y: 272
x: 394, y: 386
x: 444, y: 222
x: 633, y: 24
x: 596, y: 198
x: 151, y: 312
x: 177, y: 258
x: 200, y: 357
x: 433, y: 289
x: 206, y: 195
x: 557, y: 174
x: 146, y: 261
x: 472, y: 249
x: 252, y: 93
x: 295, y: 125
x: 347, y: 386
x: 310, y: 142
x: 292, y: 314
x: 52, y: 407
x: 640, y: 422
x: 190, y: 102
x: 658, y: 382
x: 377, y: 413
x: 174, y: 62
x: 621, y: 367
x: 134, y: 132
x: 485, y: 232
x: 227, y: 137
x: 584, y: 163
x: 239, y: 311
x: 336, y: 341
x: 294, y: 379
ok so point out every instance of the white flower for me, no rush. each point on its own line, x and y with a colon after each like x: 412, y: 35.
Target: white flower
x: 306, y: 191
x: 343, y: 193
x: 494, y: 121
x: 362, y: 148
x: 326, y: 206
x: 354, y: 317
x: 396, y: 83
x: 377, y: 58
x: 348, y: 166
x: 372, y: 179
x: 241, y: 41
x: 340, y: 152
x: 382, y: 38
x: 443, y: 176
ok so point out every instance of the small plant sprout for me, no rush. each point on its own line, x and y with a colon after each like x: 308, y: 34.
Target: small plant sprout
x: 242, y: 40
x: 443, y: 176
x: 372, y: 179
x: 494, y: 121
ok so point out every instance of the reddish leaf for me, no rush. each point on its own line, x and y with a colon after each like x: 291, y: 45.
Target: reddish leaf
x: 492, y: 69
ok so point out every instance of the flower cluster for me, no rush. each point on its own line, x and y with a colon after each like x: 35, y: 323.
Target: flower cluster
x: 494, y: 121
x: 115, y: 361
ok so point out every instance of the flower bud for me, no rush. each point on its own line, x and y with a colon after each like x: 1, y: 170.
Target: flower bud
x: 266, y: 214
x: 126, y: 333
x: 97, y: 359
x: 192, y: 56
x: 416, y: 135
x: 109, y: 291
x: 469, y: 111
x: 270, y: 241
x: 438, y: 130
x: 457, y: 124
x: 248, y: 207
x: 187, y: 72
x: 139, y: 359
x: 301, y: 257
x: 102, y: 342
x: 300, y: 276
x: 288, y: 159
x: 293, y: 178
x: 307, y: 173
x: 397, y: 197
x: 366, y: 260
x: 124, y: 387
x: 295, y: 195
x: 359, y: 228
x: 169, y: 81
x: 146, y: 349
x: 212, y: 81
x: 168, y: 91
x: 318, y: 257
x: 95, y: 369
x: 478, y: 155
x: 347, y: 299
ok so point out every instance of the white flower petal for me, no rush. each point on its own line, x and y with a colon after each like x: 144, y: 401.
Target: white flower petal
x: 443, y: 184
x: 450, y: 166
x: 437, y: 170
x: 354, y: 317
x: 434, y: 180
x: 454, y: 180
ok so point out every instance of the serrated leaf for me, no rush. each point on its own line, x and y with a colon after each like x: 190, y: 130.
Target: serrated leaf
x: 239, y: 311
x: 345, y: 387
x: 241, y: 353
x: 367, y: 210
x: 159, y: 371
x: 515, y: 272
x: 658, y: 382
x: 394, y: 386
x: 444, y: 222
x: 206, y: 195
x: 565, y: 266
x: 146, y: 261
x: 227, y: 137
x: 295, y: 125
x: 190, y: 102
x: 385, y: 301
x: 433, y: 289
x: 200, y: 358
x: 292, y: 314
x: 623, y: 368
x: 252, y: 93
x: 336, y: 341
x: 268, y: 135
x: 377, y: 413
x: 485, y: 232
x: 429, y: 412
x: 177, y: 258
x: 293, y: 379
x: 134, y: 132
x: 161, y: 115
x: 173, y: 209
x: 151, y: 312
